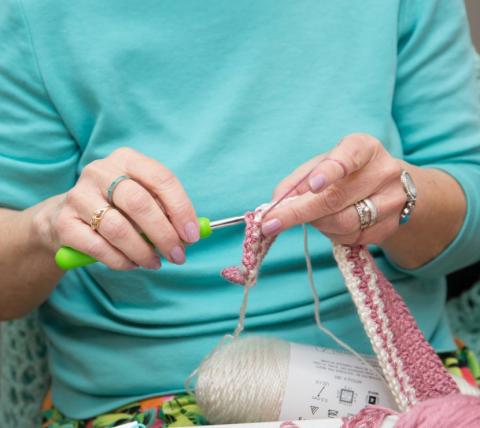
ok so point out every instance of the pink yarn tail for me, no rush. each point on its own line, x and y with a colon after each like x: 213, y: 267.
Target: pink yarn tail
x: 369, y: 417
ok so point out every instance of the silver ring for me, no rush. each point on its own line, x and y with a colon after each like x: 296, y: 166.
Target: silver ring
x: 112, y: 187
x: 363, y: 214
x: 367, y: 212
x: 373, y: 211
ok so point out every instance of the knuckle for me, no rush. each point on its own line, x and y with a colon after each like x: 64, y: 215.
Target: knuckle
x: 139, y: 202
x: 296, y: 215
x: 114, y: 228
x: 72, y: 197
x: 392, y: 170
x: 120, y: 264
x: 343, y: 223
x: 333, y: 198
x: 92, y: 168
x: 353, y: 138
x: 96, y: 249
x: 63, y: 224
x: 123, y: 152
x: 355, y: 158
x: 178, y: 208
x: 164, y: 179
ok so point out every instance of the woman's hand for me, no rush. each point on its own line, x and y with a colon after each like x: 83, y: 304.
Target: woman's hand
x: 152, y: 201
x: 359, y: 167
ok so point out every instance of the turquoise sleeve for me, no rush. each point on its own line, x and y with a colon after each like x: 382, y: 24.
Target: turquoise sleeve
x: 37, y: 155
x: 437, y: 110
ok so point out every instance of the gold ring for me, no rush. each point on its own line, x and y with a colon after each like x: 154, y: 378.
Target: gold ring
x: 97, y: 217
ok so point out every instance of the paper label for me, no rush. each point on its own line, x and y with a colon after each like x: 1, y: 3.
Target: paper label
x: 326, y: 383
x: 389, y: 422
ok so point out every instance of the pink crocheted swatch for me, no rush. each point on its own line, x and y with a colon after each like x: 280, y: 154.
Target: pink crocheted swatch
x: 255, y: 247
x: 410, y: 365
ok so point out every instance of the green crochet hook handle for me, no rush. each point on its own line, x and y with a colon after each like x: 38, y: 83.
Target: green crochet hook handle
x: 68, y: 258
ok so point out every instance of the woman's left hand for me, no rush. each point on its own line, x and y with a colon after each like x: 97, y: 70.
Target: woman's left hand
x: 359, y: 167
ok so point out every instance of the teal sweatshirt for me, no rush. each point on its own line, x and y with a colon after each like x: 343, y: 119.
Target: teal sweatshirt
x: 231, y: 96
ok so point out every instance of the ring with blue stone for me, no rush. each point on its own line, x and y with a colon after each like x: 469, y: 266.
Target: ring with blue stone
x: 411, y: 192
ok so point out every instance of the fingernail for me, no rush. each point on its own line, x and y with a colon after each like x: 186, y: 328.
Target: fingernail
x: 155, y: 264
x: 192, y: 232
x: 317, y: 182
x: 178, y: 255
x: 131, y: 266
x: 271, y: 226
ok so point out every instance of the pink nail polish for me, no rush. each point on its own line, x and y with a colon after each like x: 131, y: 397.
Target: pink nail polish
x: 271, y: 226
x: 156, y: 264
x: 192, y: 232
x: 317, y: 183
x: 178, y: 255
x: 131, y: 266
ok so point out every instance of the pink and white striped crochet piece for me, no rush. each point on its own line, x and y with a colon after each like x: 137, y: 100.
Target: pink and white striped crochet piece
x: 255, y: 248
x: 412, y: 369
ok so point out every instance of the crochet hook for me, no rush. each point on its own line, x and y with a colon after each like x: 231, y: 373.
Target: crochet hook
x: 69, y: 258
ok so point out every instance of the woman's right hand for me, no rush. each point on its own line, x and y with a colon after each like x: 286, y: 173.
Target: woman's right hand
x: 152, y: 201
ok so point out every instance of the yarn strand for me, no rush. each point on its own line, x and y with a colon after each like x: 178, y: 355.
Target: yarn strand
x: 316, y: 302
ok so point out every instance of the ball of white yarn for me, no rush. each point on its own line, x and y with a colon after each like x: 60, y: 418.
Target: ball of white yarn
x: 244, y: 381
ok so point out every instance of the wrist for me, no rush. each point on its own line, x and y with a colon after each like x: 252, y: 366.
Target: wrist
x: 438, y: 216
x: 41, y: 219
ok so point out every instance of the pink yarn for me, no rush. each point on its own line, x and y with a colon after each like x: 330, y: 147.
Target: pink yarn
x: 417, y: 379
x: 454, y: 411
x: 407, y: 355
x: 255, y: 247
x: 369, y: 417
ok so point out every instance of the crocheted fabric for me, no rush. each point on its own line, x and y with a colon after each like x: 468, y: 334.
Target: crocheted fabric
x: 255, y: 248
x: 464, y: 315
x: 24, y: 375
x: 411, y: 367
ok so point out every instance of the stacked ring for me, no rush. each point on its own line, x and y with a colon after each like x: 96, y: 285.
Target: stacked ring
x: 367, y: 212
x: 373, y: 211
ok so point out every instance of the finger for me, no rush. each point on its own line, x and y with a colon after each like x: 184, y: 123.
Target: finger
x: 80, y: 236
x: 336, y: 197
x: 293, y: 183
x: 163, y: 184
x: 388, y: 203
x: 140, y: 206
x: 374, y: 235
x: 349, y: 156
x: 117, y: 230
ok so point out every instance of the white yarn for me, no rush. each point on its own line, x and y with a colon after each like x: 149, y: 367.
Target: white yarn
x: 316, y: 301
x: 245, y: 381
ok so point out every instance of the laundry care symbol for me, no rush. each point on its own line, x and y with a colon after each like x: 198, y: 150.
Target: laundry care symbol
x: 372, y: 397
x: 332, y: 413
x: 346, y: 396
x: 313, y: 409
x: 321, y: 389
